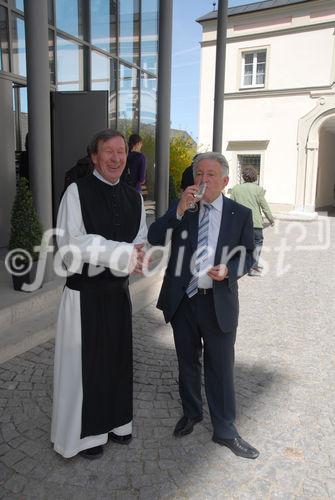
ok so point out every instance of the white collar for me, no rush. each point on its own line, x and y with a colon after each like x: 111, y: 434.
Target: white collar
x: 217, y: 203
x: 101, y: 178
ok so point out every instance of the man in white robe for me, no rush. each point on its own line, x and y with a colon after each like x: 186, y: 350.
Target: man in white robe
x: 105, y: 221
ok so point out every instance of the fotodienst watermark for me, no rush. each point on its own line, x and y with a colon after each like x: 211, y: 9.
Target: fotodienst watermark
x: 120, y: 258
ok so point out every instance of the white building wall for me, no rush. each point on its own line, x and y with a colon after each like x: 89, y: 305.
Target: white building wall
x: 272, y: 119
x: 294, y: 60
x: 302, y: 59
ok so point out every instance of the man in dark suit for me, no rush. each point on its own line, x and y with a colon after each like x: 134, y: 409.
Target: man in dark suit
x: 210, y: 250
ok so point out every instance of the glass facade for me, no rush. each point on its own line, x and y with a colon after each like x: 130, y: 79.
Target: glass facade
x: 104, y: 25
x: 149, y: 35
x: 129, y: 30
x: 19, y: 4
x: 69, y: 17
x: 70, y: 75
x: 19, y: 46
x: 4, y: 52
x: 95, y: 45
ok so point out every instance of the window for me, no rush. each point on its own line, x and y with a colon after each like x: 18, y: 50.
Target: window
x: 248, y: 161
x: 253, y: 68
x: 149, y: 35
x: 129, y: 30
x: 104, y: 24
x: 69, y: 17
x: 4, y: 57
x: 69, y: 65
x: 128, y: 99
x: 19, y: 46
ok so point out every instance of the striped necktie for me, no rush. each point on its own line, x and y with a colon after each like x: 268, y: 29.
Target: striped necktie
x: 202, y: 250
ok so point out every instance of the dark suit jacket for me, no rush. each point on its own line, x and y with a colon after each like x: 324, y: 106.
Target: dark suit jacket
x: 235, y: 239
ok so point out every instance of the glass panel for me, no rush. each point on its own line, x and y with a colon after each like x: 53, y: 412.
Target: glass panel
x: 19, y: 47
x: 147, y: 129
x: 52, y: 57
x: 113, y: 94
x: 261, y: 56
x: 129, y: 30
x: 128, y: 100
x: 69, y: 17
x: 247, y: 80
x: 69, y: 65
x: 148, y: 100
x: 149, y: 35
x: 23, y: 114
x: 4, y: 54
x: 248, y: 69
x: 260, y: 78
x: 50, y: 12
x: 100, y: 72
x: 248, y: 161
x: 248, y: 58
x: 19, y: 4
x: 104, y: 24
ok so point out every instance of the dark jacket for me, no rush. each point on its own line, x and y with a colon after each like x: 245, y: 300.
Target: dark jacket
x: 236, y: 230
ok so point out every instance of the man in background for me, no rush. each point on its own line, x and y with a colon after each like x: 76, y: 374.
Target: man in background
x: 252, y: 196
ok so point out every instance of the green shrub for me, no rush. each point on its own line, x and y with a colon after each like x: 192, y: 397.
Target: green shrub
x: 182, y: 150
x: 26, y: 230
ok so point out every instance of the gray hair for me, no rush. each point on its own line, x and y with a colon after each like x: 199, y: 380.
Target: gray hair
x: 210, y: 155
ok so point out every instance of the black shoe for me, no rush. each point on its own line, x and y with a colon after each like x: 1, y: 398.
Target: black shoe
x: 238, y: 446
x: 92, y: 453
x: 120, y: 439
x: 185, y: 426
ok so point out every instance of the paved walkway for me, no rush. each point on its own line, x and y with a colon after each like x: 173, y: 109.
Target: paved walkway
x: 285, y: 388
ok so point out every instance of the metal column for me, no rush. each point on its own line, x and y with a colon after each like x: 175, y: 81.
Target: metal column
x: 38, y: 80
x: 220, y: 74
x: 163, y: 106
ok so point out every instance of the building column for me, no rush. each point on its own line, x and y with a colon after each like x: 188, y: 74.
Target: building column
x: 220, y: 66
x: 38, y: 80
x: 312, y: 151
x: 163, y: 107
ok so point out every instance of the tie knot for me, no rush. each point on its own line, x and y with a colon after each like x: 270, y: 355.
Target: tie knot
x: 207, y: 207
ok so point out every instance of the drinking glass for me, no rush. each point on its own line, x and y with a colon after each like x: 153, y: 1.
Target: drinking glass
x: 193, y: 207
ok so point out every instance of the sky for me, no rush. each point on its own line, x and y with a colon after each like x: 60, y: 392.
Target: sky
x: 186, y: 61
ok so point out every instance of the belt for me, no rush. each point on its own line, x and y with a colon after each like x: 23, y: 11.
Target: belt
x: 204, y: 291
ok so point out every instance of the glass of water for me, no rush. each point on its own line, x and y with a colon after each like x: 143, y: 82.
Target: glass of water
x: 193, y: 207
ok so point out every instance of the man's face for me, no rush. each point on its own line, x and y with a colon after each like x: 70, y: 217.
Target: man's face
x: 111, y: 158
x: 209, y: 171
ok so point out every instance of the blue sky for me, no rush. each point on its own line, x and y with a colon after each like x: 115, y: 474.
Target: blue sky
x: 186, y: 61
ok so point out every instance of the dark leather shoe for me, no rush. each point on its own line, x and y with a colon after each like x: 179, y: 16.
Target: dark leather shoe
x: 185, y: 426
x: 120, y: 439
x: 238, y: 446
x: 92, y: 453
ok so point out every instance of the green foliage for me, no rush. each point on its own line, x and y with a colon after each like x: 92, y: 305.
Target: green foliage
x: 26, y: 230
x: 182, y: 150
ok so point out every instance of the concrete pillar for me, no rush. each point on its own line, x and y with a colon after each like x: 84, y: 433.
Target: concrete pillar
x: 163, y: 107
x: 221, y: 36
x: 38, y: 80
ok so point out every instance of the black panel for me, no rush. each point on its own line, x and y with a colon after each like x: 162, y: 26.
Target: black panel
x: 76, y: 117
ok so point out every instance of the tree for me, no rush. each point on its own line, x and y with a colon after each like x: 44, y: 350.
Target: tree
x: 182, y: 150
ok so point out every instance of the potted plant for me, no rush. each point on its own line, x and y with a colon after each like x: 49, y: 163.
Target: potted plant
x: 26, y: 233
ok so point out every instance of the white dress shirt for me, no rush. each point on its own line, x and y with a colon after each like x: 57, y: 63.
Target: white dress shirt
x: 215, y: 215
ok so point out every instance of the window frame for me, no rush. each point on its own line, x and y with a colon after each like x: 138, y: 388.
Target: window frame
x: 254, y: 51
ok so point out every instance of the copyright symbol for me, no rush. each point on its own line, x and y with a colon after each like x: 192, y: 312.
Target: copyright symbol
x: 18, y: 262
